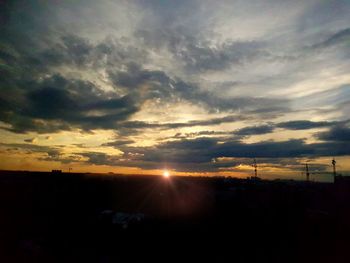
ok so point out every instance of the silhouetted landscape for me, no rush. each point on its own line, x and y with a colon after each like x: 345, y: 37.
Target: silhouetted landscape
x: 70, y: 217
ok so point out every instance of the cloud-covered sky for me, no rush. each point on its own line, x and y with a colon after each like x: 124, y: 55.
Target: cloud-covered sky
x: 196, y: 87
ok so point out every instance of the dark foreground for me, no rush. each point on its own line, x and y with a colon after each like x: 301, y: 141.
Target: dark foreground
x: 48, y: 217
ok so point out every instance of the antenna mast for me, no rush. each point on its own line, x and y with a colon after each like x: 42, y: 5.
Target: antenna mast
x: 307, y: 172
x: 334, y: 170
x: 255, y: 168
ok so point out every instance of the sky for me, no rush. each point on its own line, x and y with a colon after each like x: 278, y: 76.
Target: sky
x: 192, y: 87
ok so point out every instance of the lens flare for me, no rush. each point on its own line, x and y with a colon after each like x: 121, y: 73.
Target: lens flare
x: 166, y: 173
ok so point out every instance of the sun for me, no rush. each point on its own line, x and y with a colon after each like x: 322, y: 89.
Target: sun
x: 166, y: 173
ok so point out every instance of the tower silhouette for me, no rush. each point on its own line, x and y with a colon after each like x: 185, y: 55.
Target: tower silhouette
x: 334, y: 169
x: 307, y: 172
x: 255, y: 168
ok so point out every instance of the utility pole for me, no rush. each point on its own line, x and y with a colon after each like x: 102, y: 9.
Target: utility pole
x: 307, y: 172
x: 255, y: 168
x: 334, y: 170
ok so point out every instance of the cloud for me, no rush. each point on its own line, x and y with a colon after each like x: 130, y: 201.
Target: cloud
x: 35, y: 99
x: 98, y: 158
x: 157, y: 84
x: 52, y: 152
x: 255, y: 130
x: 341, y: 37
x: 289, y: 125
x: 197, y: 55
x: 251, y: 130
x: 174, y: 125
x: 118, y: 143
x: 31, y: 140
x: 133, y: 127
x: 57, y: 103
x: 137, y: 68
x: 339, y: 133
x: 198, y: 154
x: 304, y: 124
x: 48, y: 153
x: 78, y: 49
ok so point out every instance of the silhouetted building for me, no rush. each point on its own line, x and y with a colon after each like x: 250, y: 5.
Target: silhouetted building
x: 339, y: 179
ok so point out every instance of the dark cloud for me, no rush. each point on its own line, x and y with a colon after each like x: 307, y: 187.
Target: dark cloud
x: 77, y: 48
x: 68, y: 50
x: 52, y: 152
x: 250, y: 130
x: 31, y: 140
x: 339, y: 133
x: 304, y: 124
x: 99, y: 158
x: 34, y: 99
x: 118, y: 143
x: 205, y: 149
x: 135, y: 126
x: 255, y: 130
x: 180, y: 135
x: 340, y: 37
x: 62, y: 159
x: 57, y: 103
x: 198, y: 154
x: 134, y: 76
